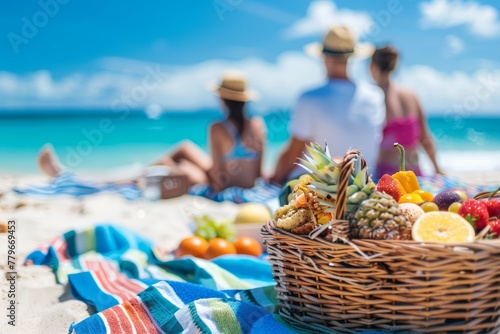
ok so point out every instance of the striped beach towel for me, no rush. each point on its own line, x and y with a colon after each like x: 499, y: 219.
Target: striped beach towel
x: 122, y: 276
x: 437, y: 183
x: 174, y: 307
x: 262, y: 192
x: 67, y: 183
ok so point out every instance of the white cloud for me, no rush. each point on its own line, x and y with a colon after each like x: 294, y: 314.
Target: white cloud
x: 457, y: 92
x: 279, y: 84
x: 266, y: 11
x: 321, y: 14
x: 453, y: 46
x: 481, y: 20
x: 176, y: 88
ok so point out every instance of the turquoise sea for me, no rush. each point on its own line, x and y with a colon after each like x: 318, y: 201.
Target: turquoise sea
x: 92, y: 140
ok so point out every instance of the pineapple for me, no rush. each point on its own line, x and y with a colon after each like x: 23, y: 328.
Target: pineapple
x: 380, y: 217
x: 316, y: 192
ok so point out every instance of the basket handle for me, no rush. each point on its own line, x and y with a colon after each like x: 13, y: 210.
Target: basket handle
x: 346, y: 168
x: 488, y: 194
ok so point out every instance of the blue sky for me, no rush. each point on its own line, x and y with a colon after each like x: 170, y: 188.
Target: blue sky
x: 93, y: 54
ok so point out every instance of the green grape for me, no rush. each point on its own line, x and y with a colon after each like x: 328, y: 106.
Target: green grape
x: 429, y: 206
x: 202, y: 233
x: 209, y: 228
x: 226, y: 231
x: 454, y: 207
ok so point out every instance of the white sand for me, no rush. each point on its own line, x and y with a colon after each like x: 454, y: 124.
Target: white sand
x: 44, y: 306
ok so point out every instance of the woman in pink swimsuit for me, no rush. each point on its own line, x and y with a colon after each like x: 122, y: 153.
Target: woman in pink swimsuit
x: 406, y: 122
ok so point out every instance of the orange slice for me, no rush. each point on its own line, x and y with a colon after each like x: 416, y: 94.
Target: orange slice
x: 442, y: 226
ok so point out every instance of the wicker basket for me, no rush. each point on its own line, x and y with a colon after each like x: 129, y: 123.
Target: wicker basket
x: 402, y: 286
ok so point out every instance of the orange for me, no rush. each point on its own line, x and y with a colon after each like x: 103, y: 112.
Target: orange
x: 410, y: 198
x: 218, y: 247
x: 426, y: 196
x: 248, y: 246
x: 195, y: 246
x: 442, y: 226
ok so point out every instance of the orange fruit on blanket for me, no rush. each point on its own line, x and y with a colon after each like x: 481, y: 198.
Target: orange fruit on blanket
x: 248, y: 246
x: 194, y: 245
x: 218, y: 247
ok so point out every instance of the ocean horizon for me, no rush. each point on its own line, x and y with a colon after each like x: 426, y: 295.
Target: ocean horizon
x: 93, y: 140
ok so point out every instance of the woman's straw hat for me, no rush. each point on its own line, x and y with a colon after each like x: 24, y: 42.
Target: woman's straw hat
x: 339, y: 40
x: 233, y: 87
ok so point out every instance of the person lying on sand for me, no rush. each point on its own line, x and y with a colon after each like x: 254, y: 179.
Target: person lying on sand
x: 236, y: 145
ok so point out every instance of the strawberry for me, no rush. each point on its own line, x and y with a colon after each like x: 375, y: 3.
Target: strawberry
x: 388, y: 185
x: 493, y: 206
x: 475, y: 212
x: 494, y: 225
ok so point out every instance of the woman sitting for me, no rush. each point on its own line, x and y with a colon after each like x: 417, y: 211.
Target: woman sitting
x: 236, y: 146
x: 406, y: 122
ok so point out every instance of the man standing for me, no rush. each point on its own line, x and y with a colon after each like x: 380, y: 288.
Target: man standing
x: 343, y: 113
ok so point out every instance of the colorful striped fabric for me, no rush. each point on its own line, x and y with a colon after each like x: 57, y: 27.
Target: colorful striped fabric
x: 437, y: 183
x: 67, y: 183
x: 175, y: 307
x: 121, y: 275
x: 263, y: 192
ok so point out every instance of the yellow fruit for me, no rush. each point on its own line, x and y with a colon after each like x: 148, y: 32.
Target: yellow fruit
x: 442, y: 226
x: 425, y: 195
x: 253, y: 213
x: 410, y: 198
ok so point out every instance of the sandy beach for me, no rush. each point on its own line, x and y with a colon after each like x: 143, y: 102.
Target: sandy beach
x: 43, y: 306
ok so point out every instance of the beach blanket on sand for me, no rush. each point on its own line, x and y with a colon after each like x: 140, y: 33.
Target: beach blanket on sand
x: 68, y: 183
x: 122, y: 276
x: 262, y: 192
x: 437, y: 183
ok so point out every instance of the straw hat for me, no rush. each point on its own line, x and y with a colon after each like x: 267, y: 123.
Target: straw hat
x: 339, y: 40
x: 233, y: 87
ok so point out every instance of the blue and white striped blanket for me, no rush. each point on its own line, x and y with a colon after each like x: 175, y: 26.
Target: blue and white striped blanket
x: 68, y: 183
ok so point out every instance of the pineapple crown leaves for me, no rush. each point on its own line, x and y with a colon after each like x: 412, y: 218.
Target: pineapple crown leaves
x: 361, y: 178
x: 320, y: 155
x: 332, y: 188
x: 357, y: 166
x: 319, y: 164
x: 330, y: 206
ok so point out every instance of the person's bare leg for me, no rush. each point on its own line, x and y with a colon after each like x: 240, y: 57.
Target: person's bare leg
x: 188, y: 151
x: 194, y: 173
x: 49, y: 163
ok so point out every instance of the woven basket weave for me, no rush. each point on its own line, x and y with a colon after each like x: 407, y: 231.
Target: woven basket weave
x: 403, y: 286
